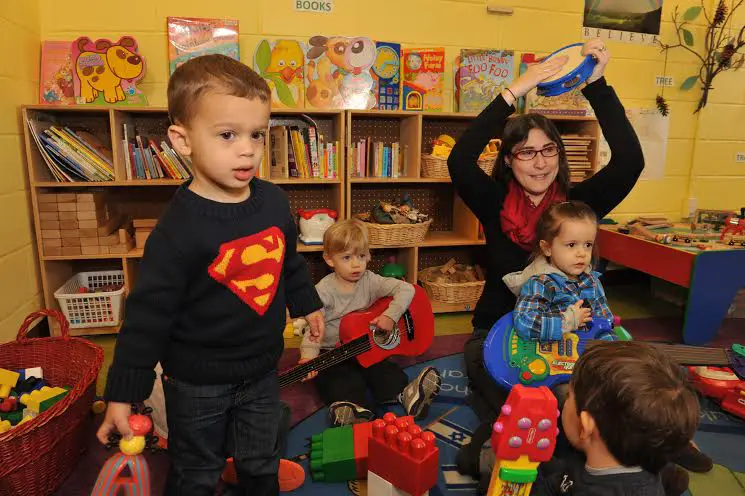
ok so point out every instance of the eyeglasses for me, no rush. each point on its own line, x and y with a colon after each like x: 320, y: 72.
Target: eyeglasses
x: 549, y: 151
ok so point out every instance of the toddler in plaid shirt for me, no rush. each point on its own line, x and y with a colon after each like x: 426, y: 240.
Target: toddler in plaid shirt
x: 559, y: 292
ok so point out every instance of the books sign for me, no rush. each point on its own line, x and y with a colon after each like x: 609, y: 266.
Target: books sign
x: 318, y: 6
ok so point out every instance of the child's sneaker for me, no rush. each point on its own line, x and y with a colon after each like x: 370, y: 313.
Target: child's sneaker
x: 346, y: 413
x: 419, y: 393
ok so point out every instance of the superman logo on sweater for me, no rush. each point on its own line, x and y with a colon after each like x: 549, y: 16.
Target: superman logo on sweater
x: 251, y: 266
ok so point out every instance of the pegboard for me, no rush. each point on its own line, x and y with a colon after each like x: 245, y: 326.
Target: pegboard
x: 96, y: 123
x: 380, y: 257
x: 435, y: 200
x: 431, y: 257
x: 432, y: 128
x: 148, y: 125
x: 309, y: 197
x: 317, y: 267
x: 385, y: 129
x: 326, y: 127
x: 140, y: 203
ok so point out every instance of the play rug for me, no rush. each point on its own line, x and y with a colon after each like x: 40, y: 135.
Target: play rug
x: 452, y: 422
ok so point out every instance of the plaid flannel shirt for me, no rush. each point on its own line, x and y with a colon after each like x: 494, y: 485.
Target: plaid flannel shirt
x: 543, y: 299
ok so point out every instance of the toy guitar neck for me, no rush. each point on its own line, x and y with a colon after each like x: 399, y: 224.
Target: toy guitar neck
x: 411, y: 336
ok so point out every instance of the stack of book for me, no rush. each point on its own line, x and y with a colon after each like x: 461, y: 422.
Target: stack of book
x: 302, y: 152
x: 578, y: 155
x: 72, y: 154
x: 377, y: 159
x: 80, y: 224
x: 146, y: 159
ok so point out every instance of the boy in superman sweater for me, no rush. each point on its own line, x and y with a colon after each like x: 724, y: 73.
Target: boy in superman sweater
x: 218, y: 272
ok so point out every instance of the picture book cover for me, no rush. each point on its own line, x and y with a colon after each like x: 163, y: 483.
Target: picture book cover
x: 569, y: 103
x: 106, y: 72
x: 387, y: 75
x: 55, y: 79
x: 338, y: 73
x: 423, y: 83
x: 282, y: 64
x: 480, y: 76
x: 190, y: 37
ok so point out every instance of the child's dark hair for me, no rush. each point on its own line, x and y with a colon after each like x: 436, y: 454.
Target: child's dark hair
x: 515, y: 132
x: 643, y: 406
x: 218, y: 73
x: 549, y: 225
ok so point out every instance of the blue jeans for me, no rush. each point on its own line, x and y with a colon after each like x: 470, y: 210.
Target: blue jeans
x: 208, y: 424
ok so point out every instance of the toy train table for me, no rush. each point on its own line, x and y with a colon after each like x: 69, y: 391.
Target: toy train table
x: 710, y: 262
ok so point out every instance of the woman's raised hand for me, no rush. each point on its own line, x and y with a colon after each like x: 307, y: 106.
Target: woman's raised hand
x: 600, y: 52
x: 535, y: 74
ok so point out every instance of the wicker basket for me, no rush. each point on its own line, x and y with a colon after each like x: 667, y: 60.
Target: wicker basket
x: 462, y: 292
x: 434, y: 166
x: 397, y: 234
x: 37, y: 456
x: 487, y: 164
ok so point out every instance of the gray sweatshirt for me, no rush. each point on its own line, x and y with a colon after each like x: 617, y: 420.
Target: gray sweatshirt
x: 336, y: 304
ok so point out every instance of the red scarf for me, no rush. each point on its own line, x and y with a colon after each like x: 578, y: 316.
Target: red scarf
x: 519, y: 216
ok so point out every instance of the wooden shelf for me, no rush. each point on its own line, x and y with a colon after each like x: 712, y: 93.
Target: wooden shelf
x: 389, y: 180
x: 137, y: 253
x: 439, y: 307
x: 315, y: 181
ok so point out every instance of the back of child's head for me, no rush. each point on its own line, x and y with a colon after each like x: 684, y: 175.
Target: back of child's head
x: 642, y: 404
x: 211, y: 73
x: 348, y: 234
x: 549, y: 224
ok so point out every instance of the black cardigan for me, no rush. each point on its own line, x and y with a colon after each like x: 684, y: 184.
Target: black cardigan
x: 485, y: 197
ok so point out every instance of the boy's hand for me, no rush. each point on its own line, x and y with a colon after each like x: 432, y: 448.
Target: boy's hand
x: 584, y: 315
x: 383, y: 322
x: 117, y: 419
x: 317, y: 326
x: 311, y: 375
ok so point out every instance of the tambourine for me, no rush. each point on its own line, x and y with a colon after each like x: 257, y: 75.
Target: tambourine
x: 575, y: 72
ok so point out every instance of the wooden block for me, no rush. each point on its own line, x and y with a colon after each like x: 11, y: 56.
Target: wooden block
x: 87, y: 206
x: 48, y: 207
x: 104, y: 250
x: 67, y: 215
x: 70, y: 242
x: 49, y: 224
x: 144, y: 223
x: 49, y: 215
x: 71, y: 250
x: 88, y: 224
x: 141, y: 238
x: 92, y: 215
x: 66, y: 197
x: 110, y: 226
x: 91, y: 197
x: 110, y: 240
x: 118, y: 249
x: 51, y: 234
x: 89, y: 242
x: 51, y: 243
x: 69, y: 224
x: 88, y: 233
x: 47, y: 198
x: 90, y: 250
x: 69, y: 233
x: 53, y: 252
x: 67, y: 207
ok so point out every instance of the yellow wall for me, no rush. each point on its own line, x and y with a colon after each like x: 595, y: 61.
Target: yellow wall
x: 19, y: 75
x: 701, y: 149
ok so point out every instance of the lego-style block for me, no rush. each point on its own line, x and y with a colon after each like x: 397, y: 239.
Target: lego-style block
x: 8, y: 404
x: 13, y: 417
x: 378, y: 486
x: 402, y: 454
x: 34, y: 399
x: 523, y: 436
x: 4, y: 426
x: 31, y: 372
x: 332, y: 455
x: 8, y: 380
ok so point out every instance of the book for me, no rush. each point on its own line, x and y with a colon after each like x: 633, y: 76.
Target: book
x: 387, y: 75
x: 282, y: 64
x: 481, y: 75
x: 571, y: 103
x: 190, y: 37
x: 56, y: 85
x: 423, y: 84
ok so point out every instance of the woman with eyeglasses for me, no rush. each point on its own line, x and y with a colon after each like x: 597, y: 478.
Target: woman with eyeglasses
x: 530, y: 174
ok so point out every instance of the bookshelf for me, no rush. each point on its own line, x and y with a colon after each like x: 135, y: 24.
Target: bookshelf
x: 146, y: 198
x: 454, y: 232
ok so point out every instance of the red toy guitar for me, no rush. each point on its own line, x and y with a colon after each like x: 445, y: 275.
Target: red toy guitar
x: 411, y: 336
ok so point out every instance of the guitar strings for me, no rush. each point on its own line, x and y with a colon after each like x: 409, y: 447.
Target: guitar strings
x: 339, y: 355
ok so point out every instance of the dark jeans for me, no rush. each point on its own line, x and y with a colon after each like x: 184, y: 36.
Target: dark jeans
x: 208, y: 424
x: 348, y: 381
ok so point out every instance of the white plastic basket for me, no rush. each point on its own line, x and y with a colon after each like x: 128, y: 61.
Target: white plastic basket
x: 92, y: 309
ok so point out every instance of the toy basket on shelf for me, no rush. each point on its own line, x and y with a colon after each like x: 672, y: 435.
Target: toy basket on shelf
x: 37, y: 456
x: 97, y: 305
x: 397, y: 234
x: 487, y: 164
x: 450, y: 292
x: 434, y: 166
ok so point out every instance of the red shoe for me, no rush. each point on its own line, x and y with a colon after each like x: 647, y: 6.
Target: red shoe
x: 291, y: 475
